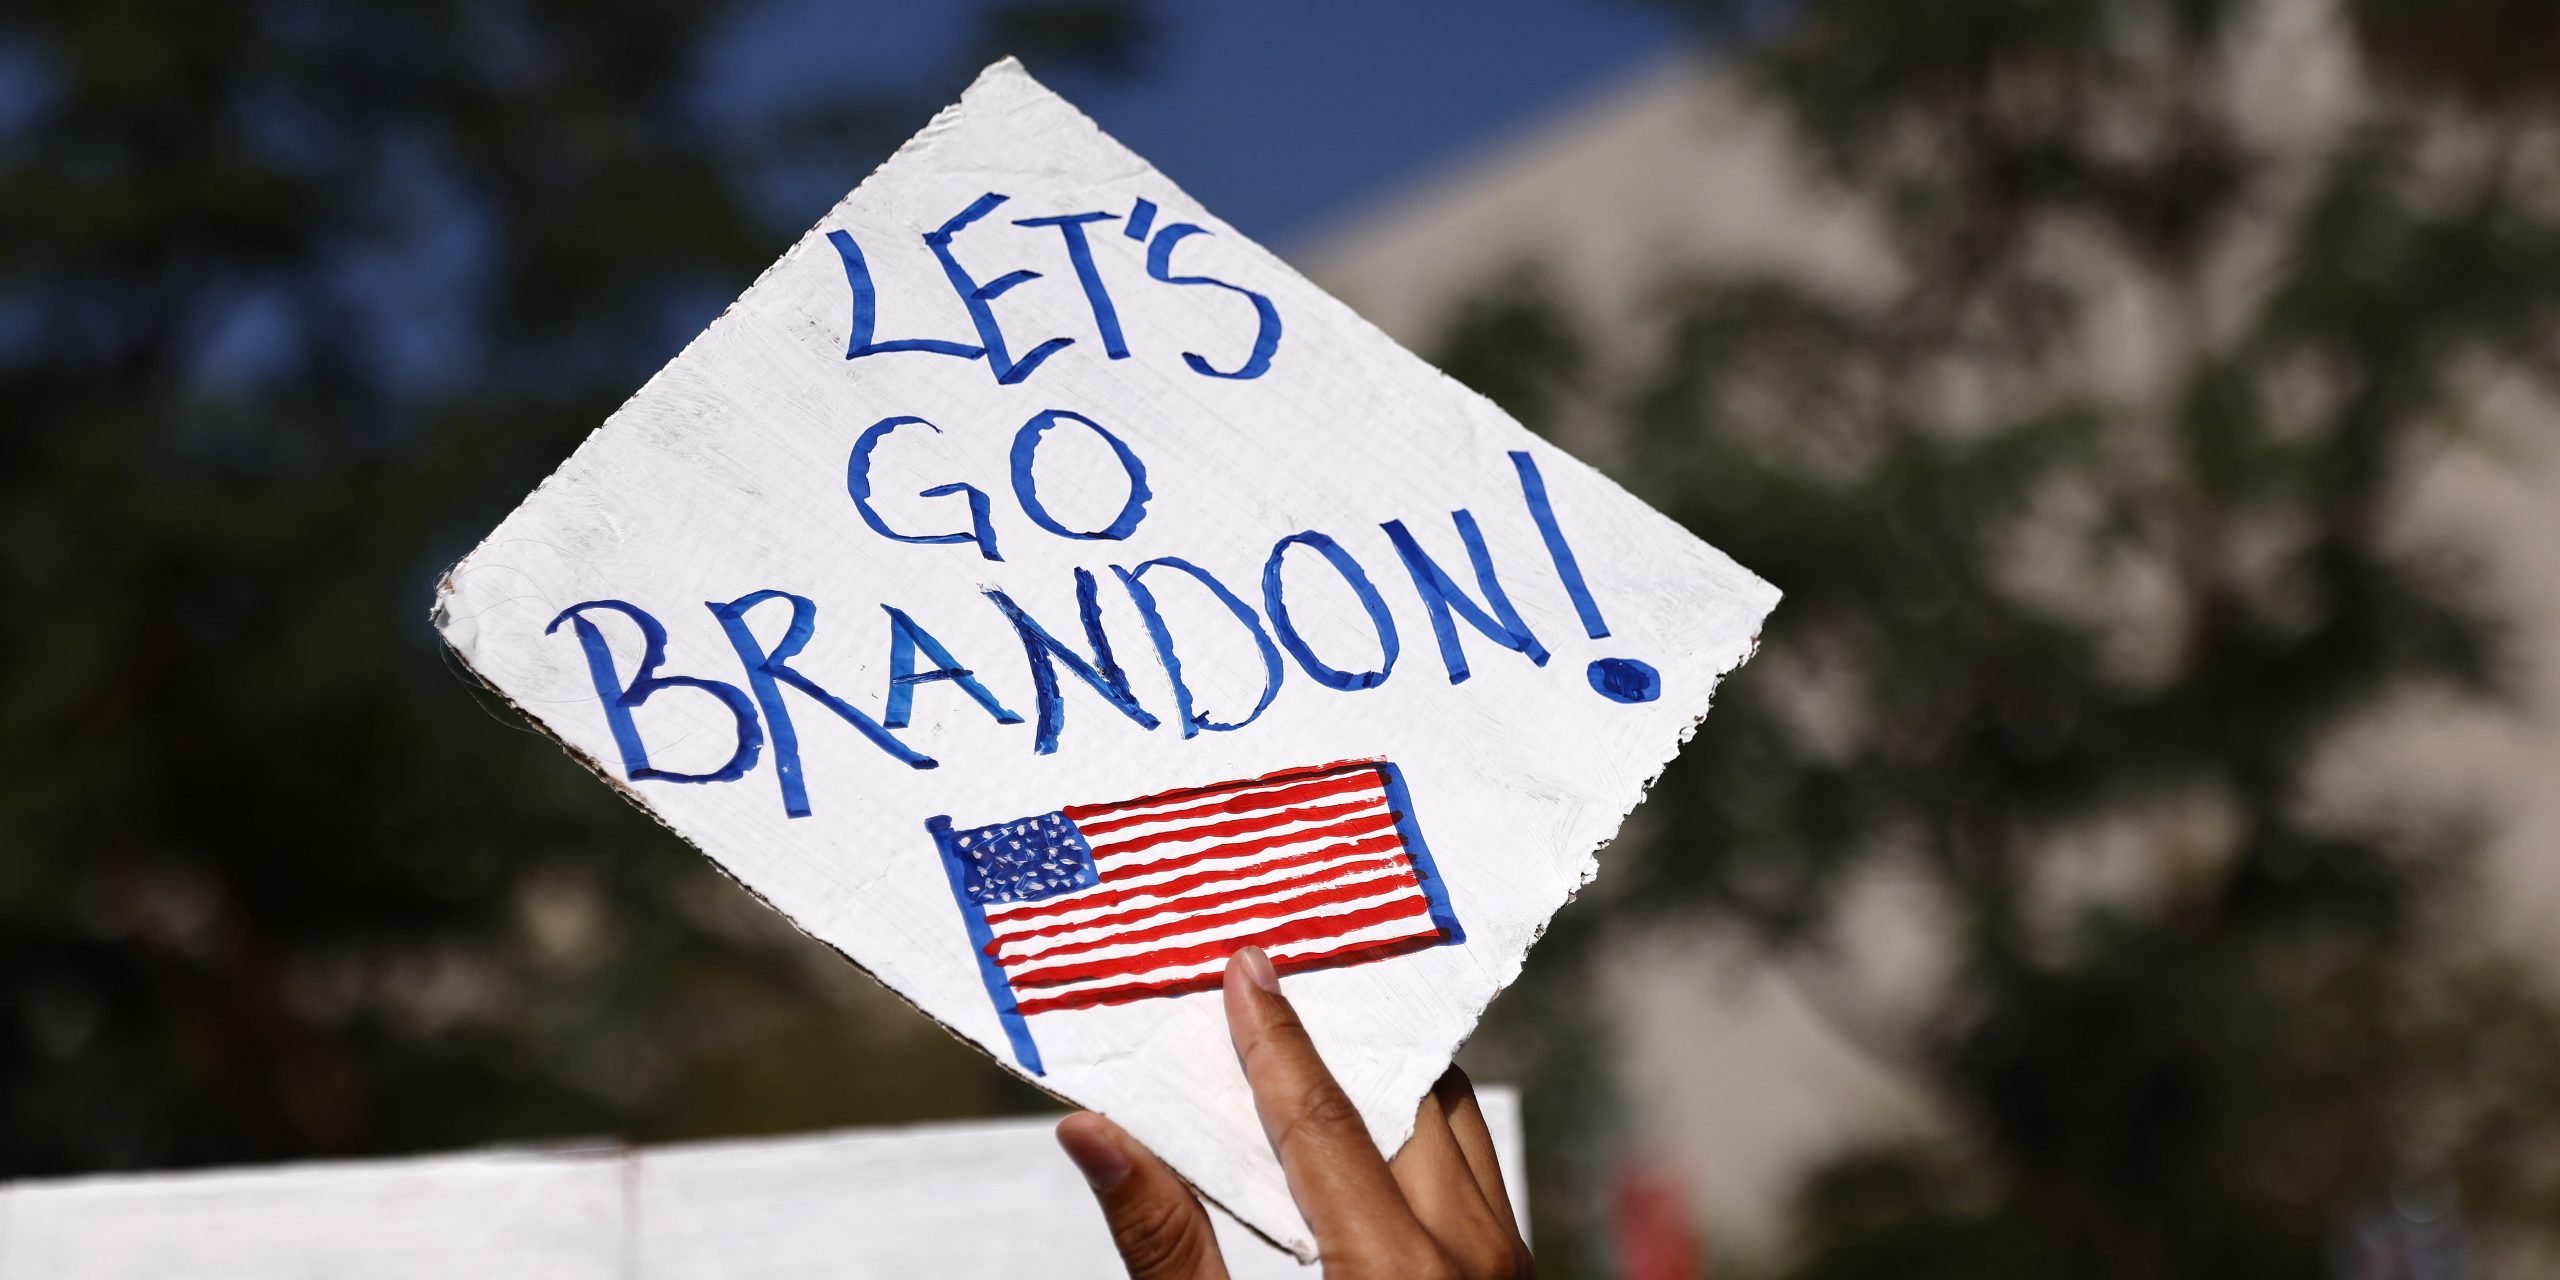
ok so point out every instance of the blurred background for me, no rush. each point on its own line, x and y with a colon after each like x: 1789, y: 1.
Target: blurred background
x: 2134, y: 853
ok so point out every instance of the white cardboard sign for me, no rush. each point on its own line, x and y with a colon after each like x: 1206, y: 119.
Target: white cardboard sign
x: 1036, y: 590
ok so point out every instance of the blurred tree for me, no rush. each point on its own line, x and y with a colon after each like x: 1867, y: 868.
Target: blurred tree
x: 294, y: 297
x: 2051, y: 624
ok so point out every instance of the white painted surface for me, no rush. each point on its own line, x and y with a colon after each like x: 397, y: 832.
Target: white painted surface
x: 727, y: 474
x: 1673, y: 168
x: 982, y: 1201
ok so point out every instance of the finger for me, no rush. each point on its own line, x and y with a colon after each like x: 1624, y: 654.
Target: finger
x: 1441, y: 1188
x: 1158, y: 1226
x: 1457, y: 1096
x: 1335, y: 1173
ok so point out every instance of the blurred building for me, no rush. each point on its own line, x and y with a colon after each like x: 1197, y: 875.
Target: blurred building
x: 1742, y: 1069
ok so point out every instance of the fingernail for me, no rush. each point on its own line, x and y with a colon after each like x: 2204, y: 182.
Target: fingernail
x: 1090, y: 1143
x: 1257, y: 966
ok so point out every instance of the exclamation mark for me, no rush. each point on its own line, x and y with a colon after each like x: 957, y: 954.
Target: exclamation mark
x: 1617, y: 679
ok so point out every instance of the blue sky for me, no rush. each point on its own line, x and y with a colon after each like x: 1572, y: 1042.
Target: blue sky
x: 1278, y: 116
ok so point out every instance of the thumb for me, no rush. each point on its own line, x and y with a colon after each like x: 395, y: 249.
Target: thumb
x: 1158, y: 1226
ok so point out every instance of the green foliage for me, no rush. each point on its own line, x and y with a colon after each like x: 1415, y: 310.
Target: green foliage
x: 2038, y: 614
x: 294, y: 298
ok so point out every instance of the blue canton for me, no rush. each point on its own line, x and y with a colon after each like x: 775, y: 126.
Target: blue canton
x: 1025, y: 860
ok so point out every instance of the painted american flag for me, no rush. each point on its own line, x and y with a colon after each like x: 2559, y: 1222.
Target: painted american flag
x: 1098, y: 904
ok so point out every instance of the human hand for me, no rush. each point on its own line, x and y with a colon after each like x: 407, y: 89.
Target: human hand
x: 1436, y: 1212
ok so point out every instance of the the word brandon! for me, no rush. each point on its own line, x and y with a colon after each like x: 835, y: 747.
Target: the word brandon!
x: 768, y: 669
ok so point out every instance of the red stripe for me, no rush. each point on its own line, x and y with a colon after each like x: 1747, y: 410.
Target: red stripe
x: 1354, y: 953
x: 1078, y: 812
x: 1206, y: 900
x: 1233, y: 804
x: 1184, y: 884
x: 1318, y: 896
x: 1276, y: 935
x: 1237, y: 827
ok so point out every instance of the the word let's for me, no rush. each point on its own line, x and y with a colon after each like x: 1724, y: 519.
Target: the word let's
x: 1244, y: 356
